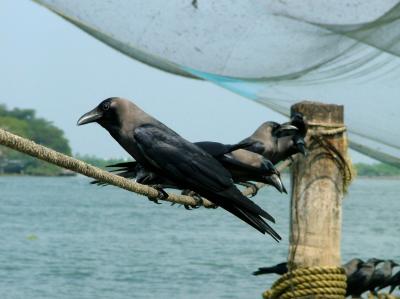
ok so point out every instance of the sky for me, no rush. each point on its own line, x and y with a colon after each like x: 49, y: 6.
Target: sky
x: 50, y: 65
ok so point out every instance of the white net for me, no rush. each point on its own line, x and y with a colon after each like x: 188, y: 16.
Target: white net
x: 274, y: 52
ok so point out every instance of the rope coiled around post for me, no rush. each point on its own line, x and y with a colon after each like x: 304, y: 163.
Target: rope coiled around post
x: 317, y: 133
x: 327, y: 282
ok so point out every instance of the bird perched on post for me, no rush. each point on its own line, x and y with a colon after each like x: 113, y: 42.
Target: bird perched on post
x: 276, y: 142
x: 162, y: 151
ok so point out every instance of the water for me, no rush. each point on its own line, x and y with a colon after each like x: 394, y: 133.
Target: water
x: 63, y: 238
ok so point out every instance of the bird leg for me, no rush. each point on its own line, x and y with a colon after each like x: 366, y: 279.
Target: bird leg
x: 197, y: 198
x: 253, y: 187
x: 161, y: 194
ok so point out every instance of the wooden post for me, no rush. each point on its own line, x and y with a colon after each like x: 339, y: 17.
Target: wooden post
x: 317, y: 191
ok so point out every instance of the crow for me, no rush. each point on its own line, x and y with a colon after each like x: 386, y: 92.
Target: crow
x: 381, y: 276
x: 282, y: 268
x: 279, y: 269
x: 244, y: 166
x: 164, y: 152
x: 393, y: 282
x: 358, y: 282
x: 277, y: 142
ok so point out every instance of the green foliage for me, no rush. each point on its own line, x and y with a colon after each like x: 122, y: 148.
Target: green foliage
x: 99, y: 162
x: 378, y: 169
x: 24, y: 122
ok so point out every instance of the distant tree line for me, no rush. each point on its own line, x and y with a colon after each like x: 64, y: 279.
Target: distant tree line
x: 24, y: 122
x: 99, y: 162
x: 376, y: 169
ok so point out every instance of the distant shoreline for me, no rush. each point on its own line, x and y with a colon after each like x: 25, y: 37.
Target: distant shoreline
x: 381, y: 177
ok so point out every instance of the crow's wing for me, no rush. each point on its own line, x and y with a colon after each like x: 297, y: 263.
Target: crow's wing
x: 254, y: 146
x: 181, y: 160
x: 217, y: 149
x: 188, y: 165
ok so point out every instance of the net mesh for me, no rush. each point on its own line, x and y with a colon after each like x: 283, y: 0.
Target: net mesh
x: 274, y: 52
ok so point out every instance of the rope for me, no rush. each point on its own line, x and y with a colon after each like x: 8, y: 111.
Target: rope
x: 43, y: 153
x: 329, y: 282
x: 318, y: 135
x: 51, y: 156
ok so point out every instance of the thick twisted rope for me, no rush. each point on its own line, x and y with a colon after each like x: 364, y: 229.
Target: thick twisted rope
x: 327, y: 282
x: 33, y: 149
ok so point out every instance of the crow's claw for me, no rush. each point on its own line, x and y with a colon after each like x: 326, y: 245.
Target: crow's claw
x: 252, y: 186
x: 198, y: 199
x: 161, y: 195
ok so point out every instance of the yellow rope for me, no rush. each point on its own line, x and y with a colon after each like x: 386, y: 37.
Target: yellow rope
x: 329, y: 282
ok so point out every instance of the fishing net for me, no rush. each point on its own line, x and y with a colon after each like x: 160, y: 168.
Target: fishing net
x: 274, y: 52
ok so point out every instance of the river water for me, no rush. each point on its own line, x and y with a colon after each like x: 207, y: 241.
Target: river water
x: 64, y: 238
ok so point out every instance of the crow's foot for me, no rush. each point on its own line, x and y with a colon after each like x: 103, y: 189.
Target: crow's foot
x: 197, y: 198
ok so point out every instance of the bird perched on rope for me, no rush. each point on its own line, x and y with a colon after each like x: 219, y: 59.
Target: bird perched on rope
x: 244, y: 166
x: 352, y: 266
x: 277, y: 142
x: 381, y: 275
x: 282, y: 268
x: 358, y: 282
x: 393, y: 282
x: 164, y: 152
x: 279, y: 269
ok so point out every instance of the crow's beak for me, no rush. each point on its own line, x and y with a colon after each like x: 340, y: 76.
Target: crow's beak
x: 301, y: 148
x: 277, y: 183
x: 286, y: 129
x: 90, y: 117
x: 284, y: 189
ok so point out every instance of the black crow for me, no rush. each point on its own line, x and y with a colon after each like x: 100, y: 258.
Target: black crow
x: 244, y: 166
x: 162, y: 151
x: 357, y: 283
x: 393, y: 282
x: 381, y: 275
x: 279, y: 269
x: 282, y: 268
x: 277, y: 142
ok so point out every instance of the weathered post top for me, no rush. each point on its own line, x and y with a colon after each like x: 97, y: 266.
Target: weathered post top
x: 317, y: 188
x: 319, y: 112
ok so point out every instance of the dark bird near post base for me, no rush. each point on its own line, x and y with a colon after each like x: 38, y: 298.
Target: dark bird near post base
x: 164, y: 152
x: 381, y: 276
x: 358, y: 282
x: 282, y: 268
x: 279, y: 269
x: 393, y: 282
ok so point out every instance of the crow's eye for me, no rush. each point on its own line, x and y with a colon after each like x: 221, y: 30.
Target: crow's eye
x: 105, y: 106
